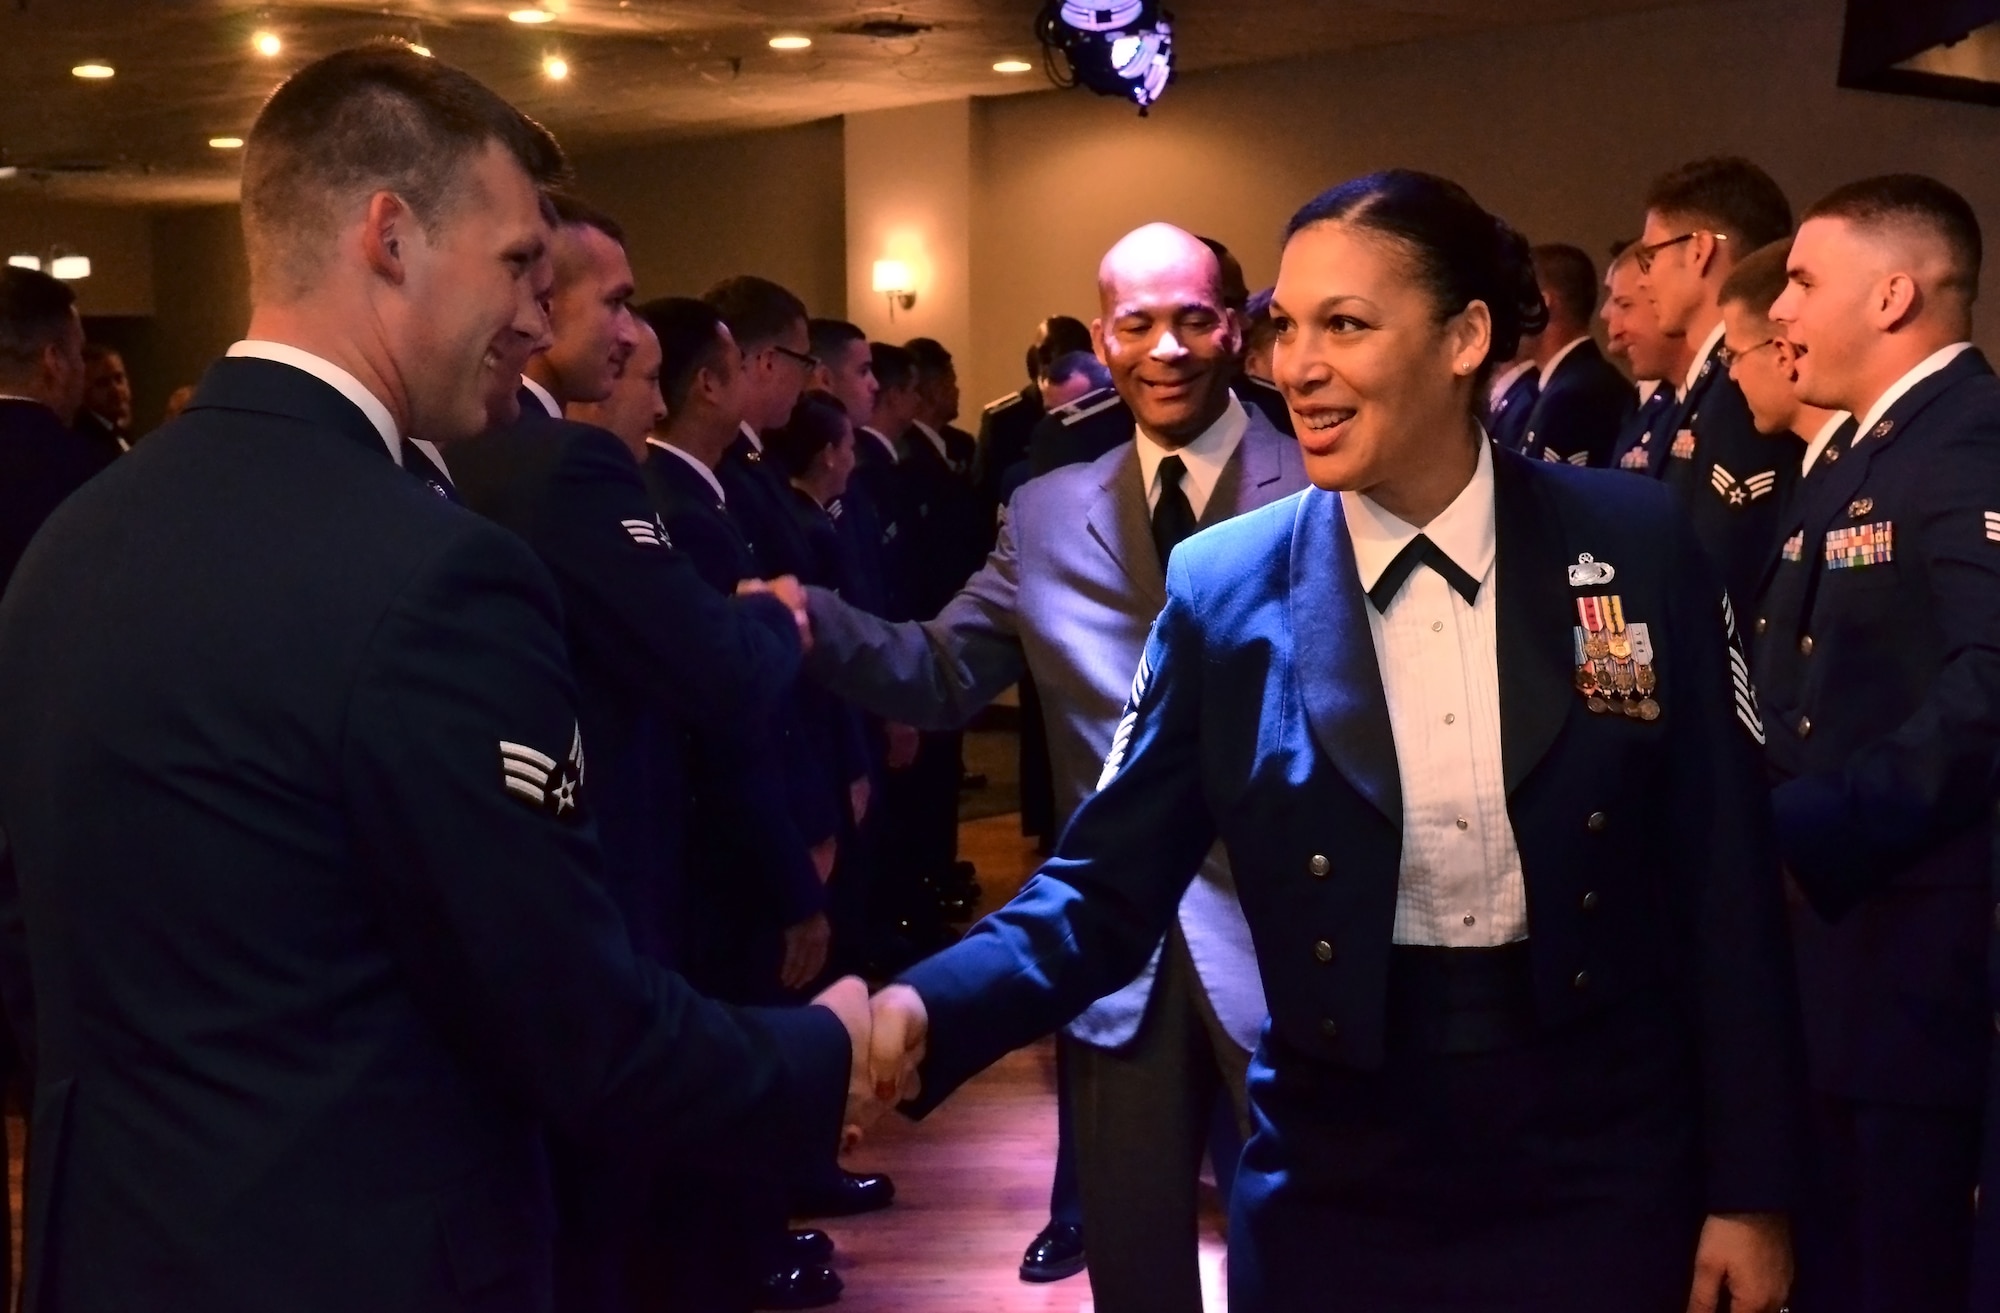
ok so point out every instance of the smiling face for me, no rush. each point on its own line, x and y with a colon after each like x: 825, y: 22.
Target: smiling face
x: 1761, y: 364
x: 1377, y: 380
x: 467, y: 298
x: 1834, y: 279
x: 1165, y: 334
x: 591, y: 314
x: 1633, y: 326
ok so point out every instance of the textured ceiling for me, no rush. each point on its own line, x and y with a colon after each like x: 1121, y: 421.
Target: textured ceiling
x: 639, y: 68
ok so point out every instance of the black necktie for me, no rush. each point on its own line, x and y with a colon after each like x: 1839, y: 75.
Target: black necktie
x: 1421, y: 551
x: 417, y: 463
x: 1173, y: 518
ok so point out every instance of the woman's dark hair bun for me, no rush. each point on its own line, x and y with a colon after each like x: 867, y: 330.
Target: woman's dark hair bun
x: 1461, y: 252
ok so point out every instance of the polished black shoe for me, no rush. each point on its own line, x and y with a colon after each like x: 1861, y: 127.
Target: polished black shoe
x: 806, y: 1249
x: 811, y: 1286
x: 1057, y: 1253
x: 852, y: 1193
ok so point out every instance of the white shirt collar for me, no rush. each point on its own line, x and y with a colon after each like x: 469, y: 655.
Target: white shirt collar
x: 1932, y: 363
x: 1821, y: 440
x: 1701, y: 358
x: 705, y: 472
x: 334, y: 377
x: 1204, y: 457
x: 883, y: 438
x: 756, y: 440
x: 1463, y: 530
x: 544, y: 396
x: 1549, y: 370
x: 1505, y: 380
x: 931, y: 435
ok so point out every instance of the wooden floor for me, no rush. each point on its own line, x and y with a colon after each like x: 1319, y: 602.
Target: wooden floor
x: 972, y: 1181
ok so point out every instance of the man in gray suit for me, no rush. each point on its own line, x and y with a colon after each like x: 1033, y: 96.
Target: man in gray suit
x: 1069, y: 594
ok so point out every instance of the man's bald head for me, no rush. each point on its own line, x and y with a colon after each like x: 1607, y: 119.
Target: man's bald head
x: 1166, y: 331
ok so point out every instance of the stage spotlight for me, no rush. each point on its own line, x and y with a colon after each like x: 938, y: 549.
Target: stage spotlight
x: 1122, y: 48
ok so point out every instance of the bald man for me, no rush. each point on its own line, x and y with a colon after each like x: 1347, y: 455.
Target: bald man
x: 1068, y: 595
x: 1878, y: 656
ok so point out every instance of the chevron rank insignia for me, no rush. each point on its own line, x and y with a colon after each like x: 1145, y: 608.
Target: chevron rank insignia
x: 648, y: 533
x: 1745, y: 692
x: 1580, y: 458
x: 542, y: 782
x: 1121, y: 738
x: 1741, y: 492
x: 1548, y: 453
x: 1993, y: 526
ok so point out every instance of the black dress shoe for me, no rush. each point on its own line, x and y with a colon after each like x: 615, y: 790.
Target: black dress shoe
x: 806, y: 1249
x: 798, y: 1287
x: 1055, y: 1254
x: 852, y: 1193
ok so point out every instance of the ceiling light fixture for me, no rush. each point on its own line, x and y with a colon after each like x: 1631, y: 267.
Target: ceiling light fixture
x: 70, y: 267
x: 25, y: 262
x: 267, y: 44
x: 791, y: 42
x: 226, y: 143
x: 93, y: 71
x: 1013, y: 66
x: 8, y: 171
x: 531, y: 16
x: 416, y: 49
x: 555, y: 68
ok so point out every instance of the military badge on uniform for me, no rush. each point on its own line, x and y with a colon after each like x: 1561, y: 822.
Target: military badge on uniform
x: 541, y: 781
x: 1860, y: 545
x: 1636, y: 459
x: 1614, y: 660
x: 1859, y: 507
x: 1795, y: 547
x: 648, y: 533
x: 1683, y: 448
x: 1741, y: 492
x: 1882, y: 430
x: 1589, y: 572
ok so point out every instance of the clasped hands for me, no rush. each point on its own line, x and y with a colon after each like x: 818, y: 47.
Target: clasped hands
x: 886, y: 1036
x: 792, y: 593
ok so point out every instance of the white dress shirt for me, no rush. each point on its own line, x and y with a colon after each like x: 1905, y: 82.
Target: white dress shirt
x: 1204, y: 458
x: 1459, y: 884
x: 334, y: 377
x: 544, y: 396
x: 1932, y: 363
x: 1822, y: 439
x: 1504, y: 381
x: 721, y: 498
x: 1708, y: 346
x: 756, y: 439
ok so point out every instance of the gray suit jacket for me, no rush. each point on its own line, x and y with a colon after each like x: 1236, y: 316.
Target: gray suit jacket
x: 1069, y: 593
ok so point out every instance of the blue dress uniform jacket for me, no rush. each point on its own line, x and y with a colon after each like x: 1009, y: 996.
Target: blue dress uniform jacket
x: 41, y: 463
x: 291, y: 787
x: 1734, y: 482
x: 1507, y: 422
x: 1583, y: 406
x: 656, y: 651
x: 1005, y: 427
x: 1258, y: 715
x: 1886, y: 744
x: 1643, y: 441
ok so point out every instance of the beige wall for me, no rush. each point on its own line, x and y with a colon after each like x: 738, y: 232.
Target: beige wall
x: 119, y: 243
x: 202, y: 285
x: 768, y: 203
x: 909, y: 197
x: 1557, y: 128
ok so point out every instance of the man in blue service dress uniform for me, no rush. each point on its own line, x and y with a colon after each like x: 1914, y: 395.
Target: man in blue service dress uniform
x: 1584, y: 401
x: 295, y: 801
x: 1879, y: 638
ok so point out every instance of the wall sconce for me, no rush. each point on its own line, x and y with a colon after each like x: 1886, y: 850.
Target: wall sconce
x: 893, y: 280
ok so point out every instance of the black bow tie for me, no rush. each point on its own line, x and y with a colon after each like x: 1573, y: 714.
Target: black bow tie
x: 1421, y: 551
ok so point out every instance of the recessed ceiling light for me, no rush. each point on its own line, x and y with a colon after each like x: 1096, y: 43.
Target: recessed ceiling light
x: 7, y: 171
x: 791, y: 43
x: 93, y: 71
x: 267, y: 44
x: 532, y: 16
x: 416, y: 49
x: 25, y: 262
x: 1013, y: 66
x: 555, y: 68
x: 226, y: 143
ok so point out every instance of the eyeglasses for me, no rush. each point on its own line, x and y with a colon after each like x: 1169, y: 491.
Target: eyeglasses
x: 1728, y: 356
x: 1645, y: 254
x: 811, y: 362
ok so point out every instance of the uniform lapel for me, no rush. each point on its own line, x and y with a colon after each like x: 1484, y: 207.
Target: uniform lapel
x: 1119, y: 521
x: 1534, y: 626
x: 253, y: 384
x: 1333, y: 652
